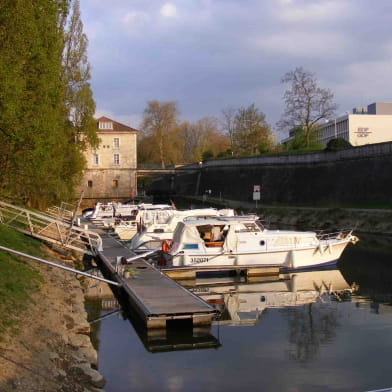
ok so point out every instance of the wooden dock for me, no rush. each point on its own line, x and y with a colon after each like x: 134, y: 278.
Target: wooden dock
x: 157, y: 298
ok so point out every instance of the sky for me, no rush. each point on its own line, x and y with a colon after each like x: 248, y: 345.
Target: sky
x: 210, y: 55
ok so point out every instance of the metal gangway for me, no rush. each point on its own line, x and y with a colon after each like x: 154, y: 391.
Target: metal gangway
x: 51, y: 229
x: 64, y: 212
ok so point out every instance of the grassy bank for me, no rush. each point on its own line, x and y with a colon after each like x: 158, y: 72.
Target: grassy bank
x: 18, y: 280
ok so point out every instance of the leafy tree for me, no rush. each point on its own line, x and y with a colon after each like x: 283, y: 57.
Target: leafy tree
x: 76, y: 75
x: 305, y: 103
x: 159, y: 120
x: 40, y: 161
x: 251, y: 134
x: 208, y: 154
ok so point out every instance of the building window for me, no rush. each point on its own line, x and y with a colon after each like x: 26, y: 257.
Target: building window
x: 116, y: 142
x: 89, y: 183
x: 116, y: 159
x: 105, y: 125
x: 115, y: 183
x: 95, y: 159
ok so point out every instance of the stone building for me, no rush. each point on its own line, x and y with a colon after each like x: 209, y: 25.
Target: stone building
x: 111, y: 167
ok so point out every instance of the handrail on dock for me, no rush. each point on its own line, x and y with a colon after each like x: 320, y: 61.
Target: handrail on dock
x: 49, y: 229
x: 75, y: 271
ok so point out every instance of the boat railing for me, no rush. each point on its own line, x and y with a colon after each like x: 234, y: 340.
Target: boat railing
x: 337, y: 235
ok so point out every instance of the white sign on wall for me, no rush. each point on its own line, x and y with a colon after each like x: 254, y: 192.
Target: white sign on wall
x: 256, y: 192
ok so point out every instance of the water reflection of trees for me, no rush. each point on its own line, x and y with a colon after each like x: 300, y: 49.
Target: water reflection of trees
x: 310, y: 326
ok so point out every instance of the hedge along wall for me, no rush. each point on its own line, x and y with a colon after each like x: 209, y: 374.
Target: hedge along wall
x: 360, y: 174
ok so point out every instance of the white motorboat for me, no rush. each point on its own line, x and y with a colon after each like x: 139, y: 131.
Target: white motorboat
x: 127, y: 226
x: 155, y: 229
x: 243, y: 241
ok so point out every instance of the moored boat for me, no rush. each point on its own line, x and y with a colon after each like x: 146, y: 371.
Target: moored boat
x: 243, y: 241
x: 127, y: 226
x: 155, y: 230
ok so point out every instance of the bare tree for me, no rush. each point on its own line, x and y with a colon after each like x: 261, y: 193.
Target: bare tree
x: 228, y: 123
x: 306, y: 103
x: 202, y: 136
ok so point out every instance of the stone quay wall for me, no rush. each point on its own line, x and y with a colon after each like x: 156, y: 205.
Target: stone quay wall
x: 360, y: 174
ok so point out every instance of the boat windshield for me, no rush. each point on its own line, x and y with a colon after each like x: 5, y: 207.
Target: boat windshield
x: 247, y: 227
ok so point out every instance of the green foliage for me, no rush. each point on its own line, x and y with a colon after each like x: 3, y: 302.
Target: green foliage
x: 303, y: 141
x: 207, y: 155
x: 17, y: 279
x: 251, y: 133
x: 159, y: 121
x: 337, y: 144
x: 76, y: 75
x: 40, y: 157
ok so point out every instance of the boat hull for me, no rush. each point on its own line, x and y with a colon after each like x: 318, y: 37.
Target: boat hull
x: 323, y: 254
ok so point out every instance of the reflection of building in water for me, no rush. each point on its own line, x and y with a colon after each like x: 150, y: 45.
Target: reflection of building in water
x: 243, y: 303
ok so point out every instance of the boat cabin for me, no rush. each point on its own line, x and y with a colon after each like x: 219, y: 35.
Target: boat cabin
x: 216, y: 233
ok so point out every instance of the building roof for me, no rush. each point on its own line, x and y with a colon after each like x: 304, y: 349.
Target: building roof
x: 117, y: 127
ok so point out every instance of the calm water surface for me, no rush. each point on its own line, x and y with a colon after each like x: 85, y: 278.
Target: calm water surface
x: 328, y: 330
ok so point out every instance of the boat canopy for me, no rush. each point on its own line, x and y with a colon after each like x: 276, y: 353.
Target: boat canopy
x: 221, y: 230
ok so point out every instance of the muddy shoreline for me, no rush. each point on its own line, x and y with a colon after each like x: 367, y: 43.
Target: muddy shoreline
x: 52, y: 349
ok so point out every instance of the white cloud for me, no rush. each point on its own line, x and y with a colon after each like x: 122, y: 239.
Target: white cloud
x: 168, y: 10
x: 286, y: 2
x: 234, y: 52
x: 311, y: 12
x: 295, y: 43
x: 367, y: 79
x: 134, y: 18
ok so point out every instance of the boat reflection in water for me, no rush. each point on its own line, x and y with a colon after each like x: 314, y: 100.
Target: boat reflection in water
x: 241, y: 301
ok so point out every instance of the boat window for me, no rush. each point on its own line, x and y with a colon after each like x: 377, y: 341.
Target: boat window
x: 248, y: 227
x: 260, y: 225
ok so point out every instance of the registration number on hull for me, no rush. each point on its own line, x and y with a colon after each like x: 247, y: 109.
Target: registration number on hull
x: 198, y: 260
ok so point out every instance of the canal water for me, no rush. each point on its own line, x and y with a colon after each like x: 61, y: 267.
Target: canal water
x: 325, y: 330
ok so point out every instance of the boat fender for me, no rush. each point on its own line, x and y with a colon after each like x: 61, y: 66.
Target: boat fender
x: 166, y: 246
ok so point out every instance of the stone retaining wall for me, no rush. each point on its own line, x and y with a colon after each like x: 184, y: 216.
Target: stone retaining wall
x: 360, y: 175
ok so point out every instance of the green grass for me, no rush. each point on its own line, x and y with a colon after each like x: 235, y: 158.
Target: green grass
x: 17, y: 279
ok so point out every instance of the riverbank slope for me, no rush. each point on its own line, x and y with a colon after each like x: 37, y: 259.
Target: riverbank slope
x: 44, y: 333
